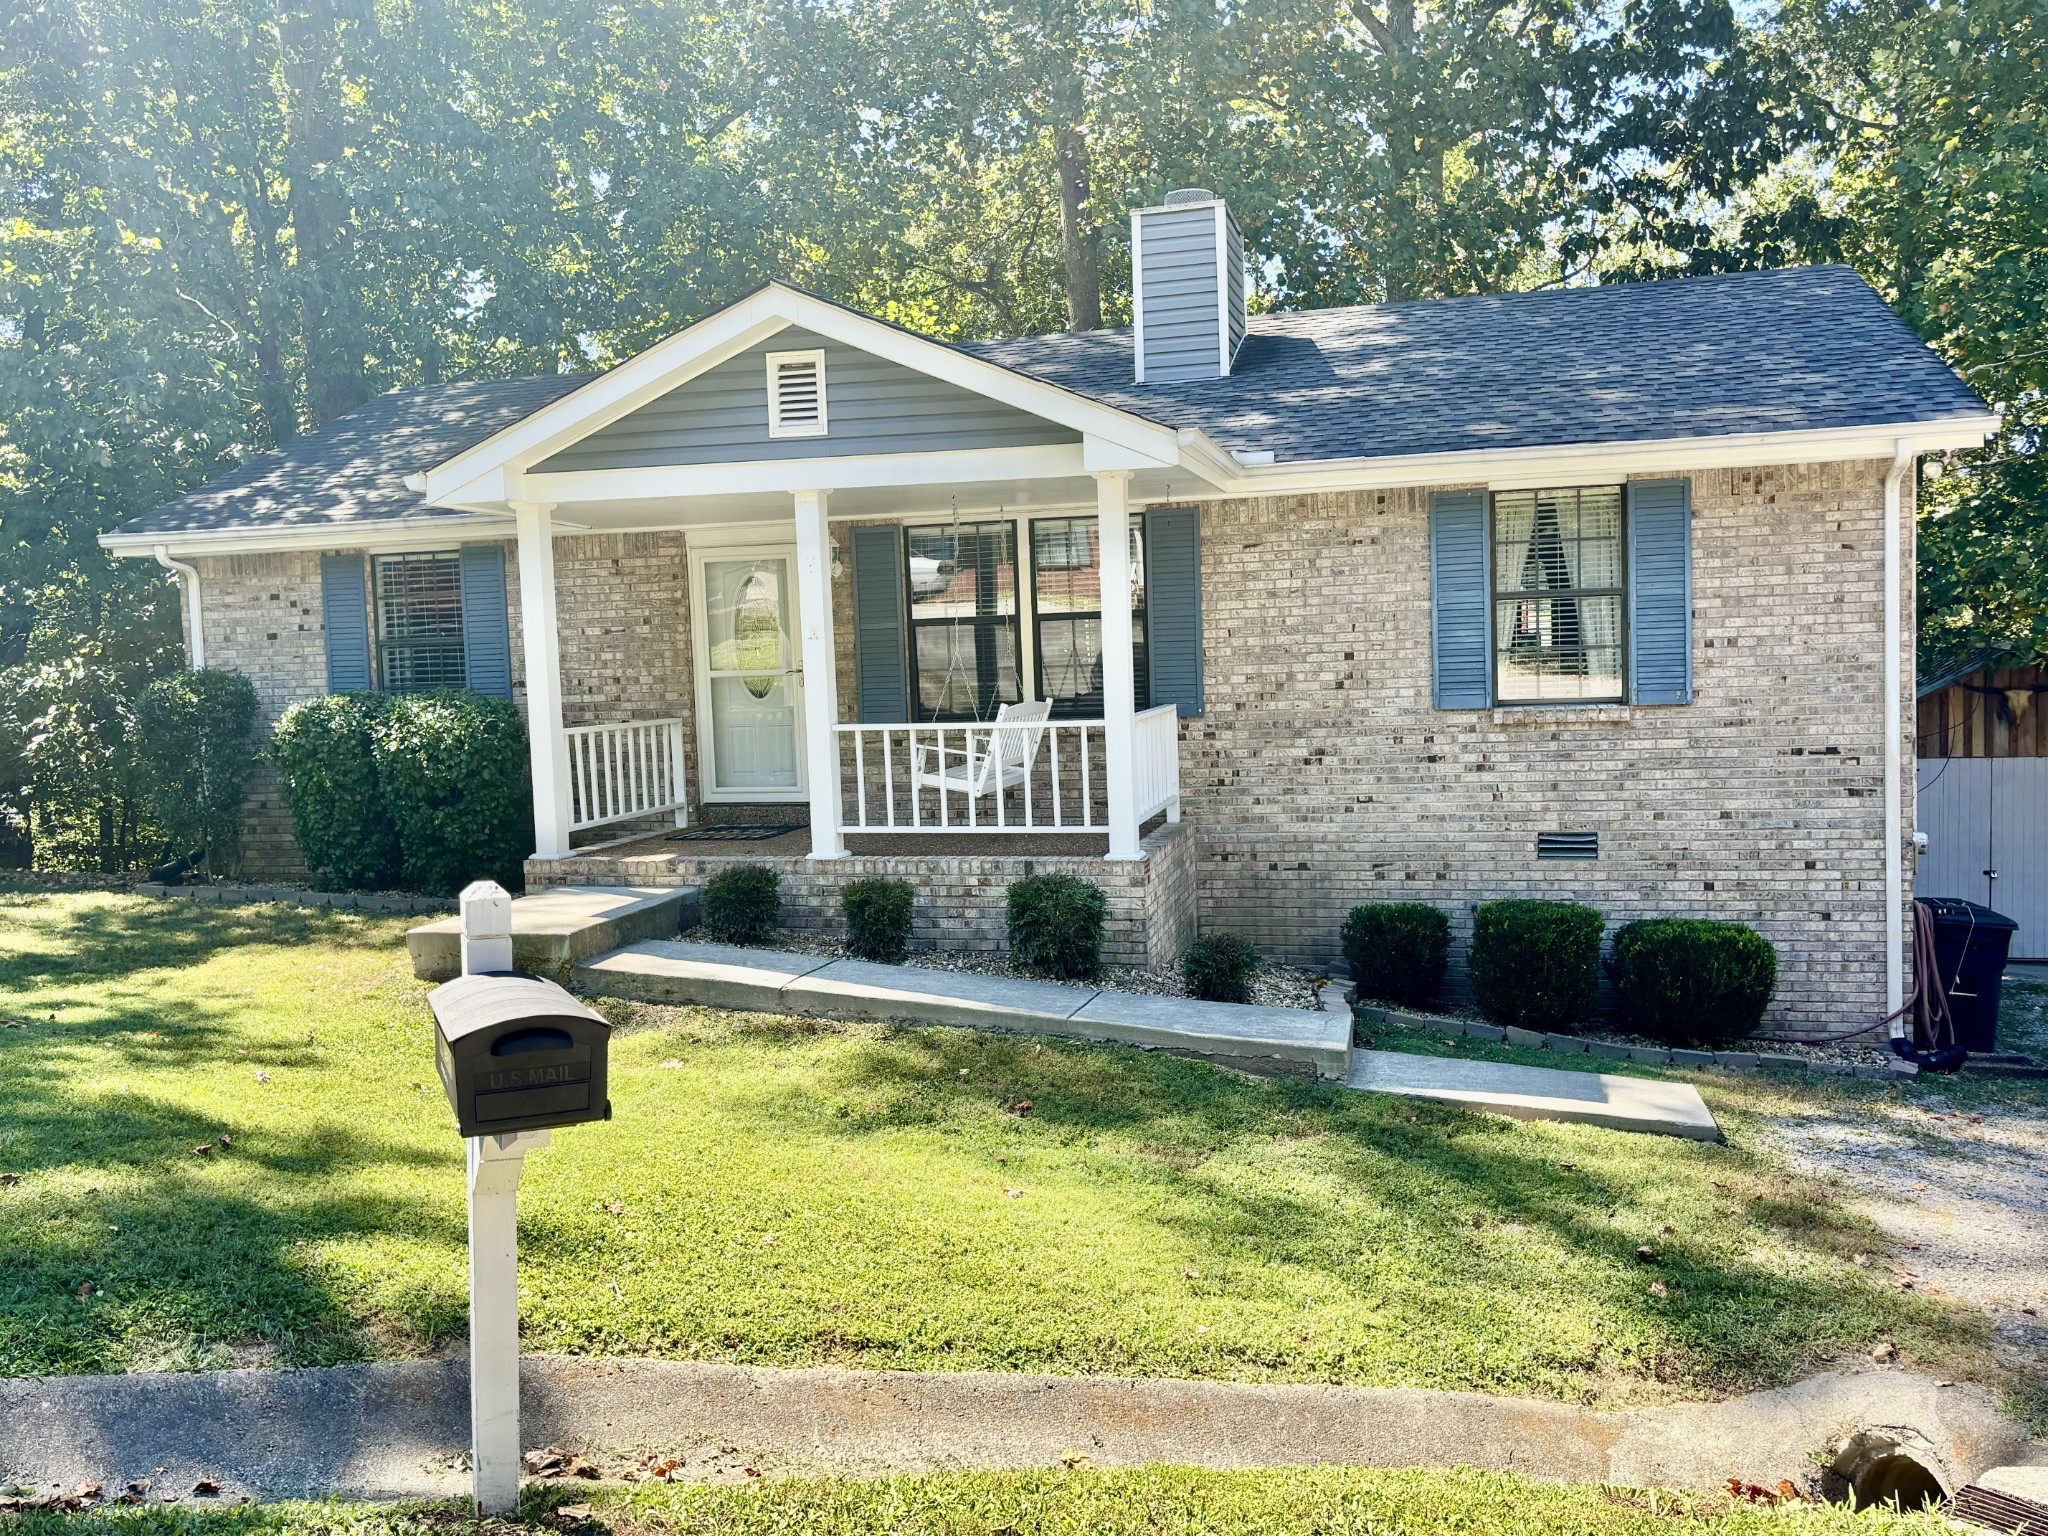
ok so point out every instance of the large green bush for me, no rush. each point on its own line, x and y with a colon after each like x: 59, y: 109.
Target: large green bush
x: 1536, y: 963
x: 1220, y: 968
x: 324, y: 751
x: 1690, y: 981
x: 1397, y: 951
x: 453, y: 769
x: 878, y: 915
x: 742, y: 905
x: 1056, y: 926
x: 196, y: 735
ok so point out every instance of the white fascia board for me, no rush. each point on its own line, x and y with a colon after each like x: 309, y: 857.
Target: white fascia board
x: 384, y: 533
x: 824, y: 473
x: 1520, y: 468
x: 1099, y: 456
x: 731, y: 331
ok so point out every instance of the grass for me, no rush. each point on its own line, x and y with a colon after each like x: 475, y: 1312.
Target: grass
x: 786, y: 1192
x: 1148, y: 1501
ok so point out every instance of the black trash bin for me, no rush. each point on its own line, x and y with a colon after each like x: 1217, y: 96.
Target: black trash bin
x: 1970, y: 944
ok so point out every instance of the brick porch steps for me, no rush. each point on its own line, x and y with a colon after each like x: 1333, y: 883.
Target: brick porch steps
x: 553, y: 929
x: 772, y: 981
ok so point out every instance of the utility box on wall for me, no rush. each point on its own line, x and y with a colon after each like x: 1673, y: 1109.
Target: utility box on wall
x: 517, y: 1053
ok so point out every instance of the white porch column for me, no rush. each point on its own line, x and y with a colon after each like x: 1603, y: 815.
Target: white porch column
x: 820, y: 661
x: 548, y: 745
x: 1119, y: 714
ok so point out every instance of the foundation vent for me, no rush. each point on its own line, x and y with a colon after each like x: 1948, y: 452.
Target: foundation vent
x: 1567, y: 845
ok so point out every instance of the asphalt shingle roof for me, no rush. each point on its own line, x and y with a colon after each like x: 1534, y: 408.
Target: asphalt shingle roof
x: 1793, y: 350
x: 353, y: 470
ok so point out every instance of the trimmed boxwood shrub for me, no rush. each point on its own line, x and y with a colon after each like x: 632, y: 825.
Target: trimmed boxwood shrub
x: 453, y: 768
x: 325, y: 755
x: 742, y: 905
x: 1536, y: 963
x: 1692, y: 981
x: 1220, y: 968
x: 878, y: 919
x: 1056, y: 926
x: 195, y: 733
x: 1397, y: 952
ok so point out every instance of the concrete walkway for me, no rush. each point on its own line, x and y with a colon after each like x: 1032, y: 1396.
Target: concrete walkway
x: 1540, y: 1093
x: 777, y: 981
x: 400, y: 1429
x: 553, y: 929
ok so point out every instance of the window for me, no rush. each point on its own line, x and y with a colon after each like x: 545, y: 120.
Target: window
x: 1558, y: 596
x: 418, y: 608
x: 1067, y: 593
x: 963, y: 619
x: 796, y: 394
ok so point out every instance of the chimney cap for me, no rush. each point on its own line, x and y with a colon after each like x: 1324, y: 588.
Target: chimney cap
x: 1188, y: 195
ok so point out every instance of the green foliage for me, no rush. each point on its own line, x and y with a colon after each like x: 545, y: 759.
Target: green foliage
x: 878, y: 919
x: 742, y: 905
x: 324, y: 751
x: 1690, y: 981
x: 196, y: 737
x: 1220, y: 968
x: 1536, y: 963
x: 1397, y: 952
x: 452, y: 768
x: 1056, y: 926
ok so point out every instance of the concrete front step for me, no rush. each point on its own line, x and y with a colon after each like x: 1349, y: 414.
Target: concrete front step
x: 1539, y: 1093
x: 772, y: 981
x: 553, y: 929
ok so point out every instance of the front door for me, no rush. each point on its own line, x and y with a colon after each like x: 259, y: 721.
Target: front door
x: 749, y: 678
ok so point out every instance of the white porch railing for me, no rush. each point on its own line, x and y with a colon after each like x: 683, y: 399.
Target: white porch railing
x: 622, y: 771
x: 888, y: 774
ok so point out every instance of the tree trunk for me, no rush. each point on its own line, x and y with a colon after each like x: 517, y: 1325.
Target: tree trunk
x: 324, y: 244
x: 1080, y: 235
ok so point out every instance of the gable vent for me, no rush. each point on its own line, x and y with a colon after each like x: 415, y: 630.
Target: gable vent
x: 796, y: 394
x: 1567, y: 845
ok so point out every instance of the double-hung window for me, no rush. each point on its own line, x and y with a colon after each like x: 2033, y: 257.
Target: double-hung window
x: 418, y: 609
x: 1066, y: 571
x: 1559, y: 599
x: 962, y: 581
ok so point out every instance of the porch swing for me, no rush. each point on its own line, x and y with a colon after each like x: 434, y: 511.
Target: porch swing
x: 999, y: 754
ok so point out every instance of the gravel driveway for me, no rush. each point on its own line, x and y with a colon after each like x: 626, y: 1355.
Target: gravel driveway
x: 1959, y: 1181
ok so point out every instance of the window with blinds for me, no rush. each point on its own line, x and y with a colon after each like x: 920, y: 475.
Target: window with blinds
x: 1067, y: 604
x: 418, y: 606
x: 796, y: 394
x: 1559, y: 601
x: 962, y: 582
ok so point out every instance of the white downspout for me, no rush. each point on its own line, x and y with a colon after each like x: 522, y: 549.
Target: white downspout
x: 1894, y: 682
x: 195, y: 625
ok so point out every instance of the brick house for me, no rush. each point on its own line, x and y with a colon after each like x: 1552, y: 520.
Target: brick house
x: 1592, y: 593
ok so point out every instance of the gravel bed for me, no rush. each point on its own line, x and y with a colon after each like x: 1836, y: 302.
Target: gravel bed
x: 1275, y: 986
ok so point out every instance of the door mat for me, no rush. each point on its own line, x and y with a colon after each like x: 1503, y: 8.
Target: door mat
x: 746, y: 834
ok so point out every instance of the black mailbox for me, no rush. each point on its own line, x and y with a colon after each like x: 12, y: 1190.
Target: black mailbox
x: 517, y: 1053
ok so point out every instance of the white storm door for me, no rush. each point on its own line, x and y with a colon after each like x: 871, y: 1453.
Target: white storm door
x: 750, y: 705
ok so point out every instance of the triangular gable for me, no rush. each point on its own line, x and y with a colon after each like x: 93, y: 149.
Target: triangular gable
x: 872, y: 405
x: 489, y: 473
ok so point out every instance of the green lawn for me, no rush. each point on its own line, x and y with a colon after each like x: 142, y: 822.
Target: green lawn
x: 787, y: 1193
x: 1151, y: 1501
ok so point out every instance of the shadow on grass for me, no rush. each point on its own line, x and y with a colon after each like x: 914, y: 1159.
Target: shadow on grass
x: 79, y: 940
x: 1754, y: 1265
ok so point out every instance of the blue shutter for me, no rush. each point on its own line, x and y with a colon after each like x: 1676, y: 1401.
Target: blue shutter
x: 486, y: 639
x: 1660, y: 591
x: 1173, y: 607
x: 345, y: 615
x: 880, y: 659
x: 1460, y: 600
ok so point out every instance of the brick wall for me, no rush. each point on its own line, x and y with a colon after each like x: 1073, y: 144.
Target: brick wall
x: 1321, y: 776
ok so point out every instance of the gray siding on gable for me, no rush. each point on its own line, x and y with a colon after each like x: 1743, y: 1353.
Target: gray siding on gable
x: 1178, y: 270
x: 871, y: 406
